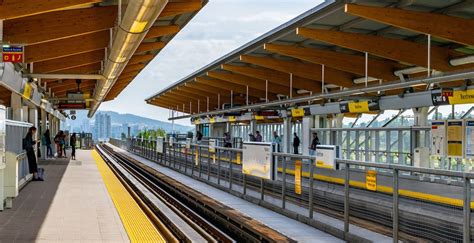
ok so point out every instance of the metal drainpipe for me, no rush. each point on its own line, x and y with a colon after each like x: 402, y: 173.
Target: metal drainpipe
x: 138, y: 18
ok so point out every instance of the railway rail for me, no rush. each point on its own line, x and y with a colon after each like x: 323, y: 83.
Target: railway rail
x: 189, y: 216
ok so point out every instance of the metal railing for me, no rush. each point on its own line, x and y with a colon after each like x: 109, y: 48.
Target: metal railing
x: 309, y: 193
x: 15, y: 132
x: 382, y: 144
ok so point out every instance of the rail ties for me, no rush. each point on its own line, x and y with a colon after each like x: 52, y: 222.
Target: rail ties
x: 214, y: 220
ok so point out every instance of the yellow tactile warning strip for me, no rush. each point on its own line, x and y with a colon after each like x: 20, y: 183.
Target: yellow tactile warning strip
x: 139, y: 228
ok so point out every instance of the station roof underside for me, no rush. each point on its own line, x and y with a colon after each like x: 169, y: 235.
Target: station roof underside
x: 72, y: 37
x: 325, y: 49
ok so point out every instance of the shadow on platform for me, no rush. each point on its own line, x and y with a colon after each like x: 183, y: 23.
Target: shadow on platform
x: 24, y: 221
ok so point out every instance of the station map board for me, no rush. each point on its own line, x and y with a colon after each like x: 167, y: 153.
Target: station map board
x: 257, y: 160
x: 469, y: 139
x: 438, y: 138
x: 455, y: 134
x: 159, y: 145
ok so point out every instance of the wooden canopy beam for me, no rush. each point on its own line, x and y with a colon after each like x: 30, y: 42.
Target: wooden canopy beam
x: 133, y: 67
x: 274, y: 77
x: 305, y: 70
x: 216, y: 90
x: 86, y: 69
x: 67, y: 47
x: 11, y: 9
x: 58, y: 25
x: 177, y: 8
x: 379, y: 69
x: 69, y: 61
x: 159, y: 31
x: 394, y: 49
x: 236, y: 88
x: 204, y: 93
x: 140, y: 58
x: 149, y: 46
x: 188, y: 93
x: 72, y: 88
x: 251, y: 82
x: 451, y: 28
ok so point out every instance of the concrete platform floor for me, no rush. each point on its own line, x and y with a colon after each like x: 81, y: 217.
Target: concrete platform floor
x: 71, y: 205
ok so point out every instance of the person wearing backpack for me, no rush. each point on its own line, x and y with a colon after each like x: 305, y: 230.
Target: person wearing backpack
x: 29, y: 145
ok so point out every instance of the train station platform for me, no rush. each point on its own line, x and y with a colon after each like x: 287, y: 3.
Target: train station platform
x: 294, y: 229
x: 71, y: 205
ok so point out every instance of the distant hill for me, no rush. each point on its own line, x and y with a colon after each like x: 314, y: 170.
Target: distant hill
x: 119, y: 119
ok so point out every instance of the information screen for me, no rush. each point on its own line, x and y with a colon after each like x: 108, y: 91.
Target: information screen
x: 455, y: 138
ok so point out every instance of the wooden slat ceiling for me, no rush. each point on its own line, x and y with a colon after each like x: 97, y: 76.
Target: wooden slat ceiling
x: 393, y: 34
x: 71, y: 36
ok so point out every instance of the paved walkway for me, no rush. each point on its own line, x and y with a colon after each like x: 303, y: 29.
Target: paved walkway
x: 71, y: 205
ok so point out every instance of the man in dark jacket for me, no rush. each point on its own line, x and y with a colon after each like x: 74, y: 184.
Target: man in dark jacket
x: 314, y: 144
x: 296, y: 143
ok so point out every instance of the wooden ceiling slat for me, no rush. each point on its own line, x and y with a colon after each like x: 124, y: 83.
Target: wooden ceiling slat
x: 11, y: 9
x: 177, y: 8
x: 58, y: 25
x: 140, y: 58
x: 69, y: 61
x: 67, y: 47
x: 149, y: 46
x: 86, y: 69
x: 159, y: 31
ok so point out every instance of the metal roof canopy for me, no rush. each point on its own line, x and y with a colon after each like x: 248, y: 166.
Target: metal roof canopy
x: 69, y: 40
x: 298, y: 48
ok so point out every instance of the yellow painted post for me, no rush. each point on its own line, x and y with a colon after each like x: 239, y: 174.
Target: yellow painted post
x: 298, y: 177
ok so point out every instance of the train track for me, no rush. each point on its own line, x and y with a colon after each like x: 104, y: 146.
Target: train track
x: 183, y: 214
x: 429, y: 222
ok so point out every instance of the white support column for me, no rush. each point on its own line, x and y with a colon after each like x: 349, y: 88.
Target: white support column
x: 253, y: 127
x: 17, y: 107
x: 42, y: 130
x: 308, y: 124
x: 287, y: 135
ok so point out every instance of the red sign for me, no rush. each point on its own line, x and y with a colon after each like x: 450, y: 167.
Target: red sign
x: 12, y: 53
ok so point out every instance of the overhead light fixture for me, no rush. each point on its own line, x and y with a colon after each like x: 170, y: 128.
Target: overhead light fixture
x: 462, y: 60
x: 362, y: 80
x: 410, y: 70
x: 302, y: 91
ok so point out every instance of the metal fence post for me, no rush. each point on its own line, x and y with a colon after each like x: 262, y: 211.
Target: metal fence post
x: 346, y: 200
x: 283, y: 185
x: 467, y: 210
x: 230, y: 172
x: 262, y: 189
x: 311, y: 182
x: 395, y: 205
x: 219, y: 166
x: 200, y: 161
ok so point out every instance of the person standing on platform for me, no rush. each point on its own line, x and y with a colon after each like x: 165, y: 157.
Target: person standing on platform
x: 276, y: 141
x: 198, y: 136
x: 29, y: 145
x: 258, y: 137
x: 57, y: 141
x: 47, y: 143
x: 72, y: 142
x: 227, y: 140
x: 296, y: 143
x: 63, y: 143
x: 314, y: 144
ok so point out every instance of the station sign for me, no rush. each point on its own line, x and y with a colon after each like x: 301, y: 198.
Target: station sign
x: 371, y: 180
x: 469, y: 139
x: 448, y: 96
x: 212, y: 145
x: 359, y: 107
x: 326, y: 156
x: 12, y: 53
x: 455, y: 138
x: 438, y: 137
x: 257, y: 160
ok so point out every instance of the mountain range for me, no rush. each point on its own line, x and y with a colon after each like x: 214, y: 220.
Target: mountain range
x: 119, y: 119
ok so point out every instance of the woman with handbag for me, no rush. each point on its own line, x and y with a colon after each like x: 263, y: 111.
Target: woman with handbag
x: 29, y: 145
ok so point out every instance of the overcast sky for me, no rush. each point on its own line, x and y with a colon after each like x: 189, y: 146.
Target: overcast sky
x: 220, y: 27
